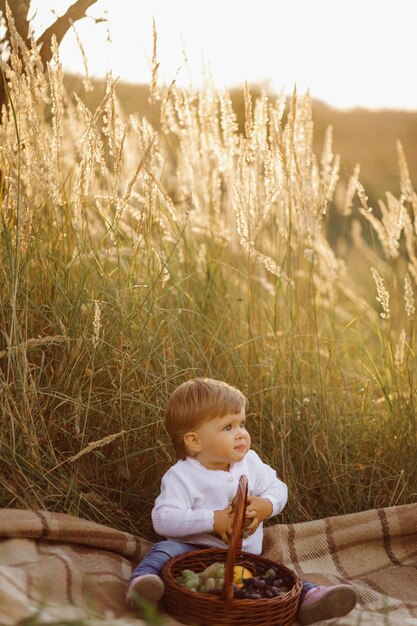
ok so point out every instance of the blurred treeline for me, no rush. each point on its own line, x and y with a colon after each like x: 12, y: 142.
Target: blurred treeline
x: 363, y: 136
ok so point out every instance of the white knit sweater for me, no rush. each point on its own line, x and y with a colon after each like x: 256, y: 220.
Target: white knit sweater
x: 190, y: 493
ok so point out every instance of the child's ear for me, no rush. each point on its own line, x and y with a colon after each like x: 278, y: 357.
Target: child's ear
x: 192, y: 442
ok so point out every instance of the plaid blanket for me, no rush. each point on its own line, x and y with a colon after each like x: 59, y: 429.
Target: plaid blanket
x: 62, y: 568
x: 375, y: 551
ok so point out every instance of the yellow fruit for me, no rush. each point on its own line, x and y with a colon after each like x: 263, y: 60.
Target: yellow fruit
x: 239, y: 574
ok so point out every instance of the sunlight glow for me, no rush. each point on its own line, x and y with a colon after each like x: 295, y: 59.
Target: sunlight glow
x: 347, y: 52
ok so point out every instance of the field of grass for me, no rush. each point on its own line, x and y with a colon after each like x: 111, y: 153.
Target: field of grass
x: 137, y: 252
x: 363, y: 136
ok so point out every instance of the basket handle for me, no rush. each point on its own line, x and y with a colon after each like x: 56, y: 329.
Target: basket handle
x: 235, y: 544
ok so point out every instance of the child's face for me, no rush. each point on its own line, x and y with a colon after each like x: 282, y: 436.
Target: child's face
x: 222, y: 441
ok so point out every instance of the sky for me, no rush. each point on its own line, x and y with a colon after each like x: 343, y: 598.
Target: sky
x: 348, y: 53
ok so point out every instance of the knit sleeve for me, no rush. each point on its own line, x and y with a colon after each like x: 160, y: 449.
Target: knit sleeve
x: 268, y: 485
x: 173, y: 514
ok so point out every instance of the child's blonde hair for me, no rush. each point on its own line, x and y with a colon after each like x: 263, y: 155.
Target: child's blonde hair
x: 196, y: 401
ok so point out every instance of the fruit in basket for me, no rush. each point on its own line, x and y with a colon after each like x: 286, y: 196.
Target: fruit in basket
x: 209, y: 586
x: 210, y: 571
x: 267, y: 585
x: 246, y: 585
x: 240, y: 573
x: 210, y: 580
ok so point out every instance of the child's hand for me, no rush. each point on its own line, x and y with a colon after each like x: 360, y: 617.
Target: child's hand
x: 223, y: 524
x: 257, y: 509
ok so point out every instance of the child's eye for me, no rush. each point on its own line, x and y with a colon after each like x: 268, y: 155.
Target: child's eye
x: 243, y: 425
x: 228, y: 427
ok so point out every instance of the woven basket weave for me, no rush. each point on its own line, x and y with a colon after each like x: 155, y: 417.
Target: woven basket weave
x: 204, y: 609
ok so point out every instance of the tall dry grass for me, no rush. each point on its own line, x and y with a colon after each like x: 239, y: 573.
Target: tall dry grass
x: 132, y: 259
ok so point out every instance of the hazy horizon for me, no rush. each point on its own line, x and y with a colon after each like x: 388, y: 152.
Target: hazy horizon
x: 255, y: 86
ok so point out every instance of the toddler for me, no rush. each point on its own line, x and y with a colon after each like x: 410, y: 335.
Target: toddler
x: 205, y: 420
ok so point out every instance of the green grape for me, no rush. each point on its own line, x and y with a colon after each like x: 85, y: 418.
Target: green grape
x: 219, y: 570
x: 270, y: 572
x: 186, y: 573
x: 219, y: 582
x: 210, y: 584
x: 192, y: 582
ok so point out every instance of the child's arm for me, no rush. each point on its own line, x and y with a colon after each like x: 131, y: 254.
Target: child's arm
x: 271, y: 493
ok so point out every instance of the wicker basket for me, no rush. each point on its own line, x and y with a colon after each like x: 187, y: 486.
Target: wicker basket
x: 204, y: 609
